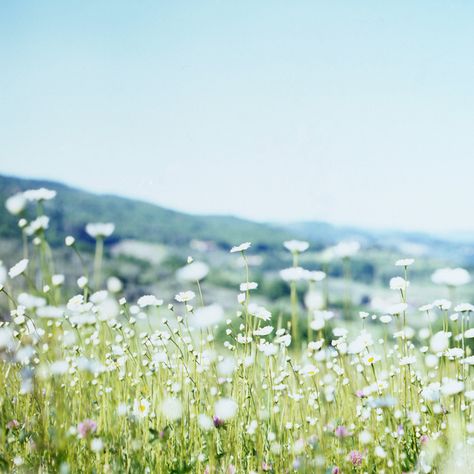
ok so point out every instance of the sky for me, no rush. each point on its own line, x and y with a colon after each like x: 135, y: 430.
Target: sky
x: 358, y: 113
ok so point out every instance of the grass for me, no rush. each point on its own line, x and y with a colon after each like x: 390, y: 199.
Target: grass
x: 96, y: 383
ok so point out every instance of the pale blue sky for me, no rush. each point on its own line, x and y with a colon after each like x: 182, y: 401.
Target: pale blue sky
x: 352, y: 112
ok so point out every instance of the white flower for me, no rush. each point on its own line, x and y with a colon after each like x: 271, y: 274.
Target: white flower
x: 251, y: 285
x: 114, y: 284
x: 69, y: 241
x: 57, y: 280
x: 454, y: 353
x: 346, y: 249
x: 464, y: 307
x: 292, y: 274
x: 408, y: 360
x: 451, y: 276
x: 207, y: 316
x: 205, y: 422
x: 284, y: 339
x: 100, y: 230
x: 265, y: 331
x: 451, y: 387
x: 40, y: 223
x: 141, y: 408
x: 371, y: 359
x: 241, y: 247
x: 469, y: 334
x: 398, y: 308
x: 185, y: 296
x: 148, y: 300
x: 385, y: 319
x: 268, y: 348
x: 97, y: 445
x: 426, y: 307
x: 404, y: 262
x: 442, y: 304
x: 41, y: 194
x: 296, y: 246
x: 82, y: 282
x: 365, y: 437
x: 440, y: 342
x: 314, y: 300
x: 380, y: 452
x: 172, y: 409
x: 16, y: 203
x: 259, y: 312
x: 195, y: 271
x: 18, y: 269
x: 225, y: 409
x: 399, y: 283
x: 314, y: 275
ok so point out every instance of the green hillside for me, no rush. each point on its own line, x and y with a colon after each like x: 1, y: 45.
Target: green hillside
x: 73, y: 208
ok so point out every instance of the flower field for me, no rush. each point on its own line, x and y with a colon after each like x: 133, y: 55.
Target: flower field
x: 96, y: 381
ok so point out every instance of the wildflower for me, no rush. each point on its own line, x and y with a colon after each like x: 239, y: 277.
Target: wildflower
x: 315, y: 275
x: 225, y: 409
x: 114, y: 285
x: 451, y: 387
x: 141, y: 408
x: 296, y: 246
x: 18, y: 268
x: 371, y: 359
x: 380, y: 452
x: 251, y: 285
x: 440, y: 342
x: 82, y: 282
x: 355, y: 457
x: 13, y: 424
x: 86, y: 427
x: 265, y: 331
x: 259, y: 312
x: 241, y: 247
x: 149, y: 300
x: 69, y: 241
x: 16, y: 203
x: 346, y: 249
x: 464, y: 308
x: 404, y: 262
x: 292, y: 274
x: 57, y: 280
x: 41, y: 194
x: 451, y: 277
x: 97, y: 445
x: 100, y: 230
x: 365, y: 437
x: 40, y: 223
x: 408, y: 360
x: 399, y: 283
x: 185, y: 296
x: 208, y: 316
x: 341, y: 432
x: 194, y: 271
x: 397, y: 308
x: 205, y: 422
x: 172, y: 409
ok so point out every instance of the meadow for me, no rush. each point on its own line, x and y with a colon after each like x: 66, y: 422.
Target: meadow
x: 97, y: 381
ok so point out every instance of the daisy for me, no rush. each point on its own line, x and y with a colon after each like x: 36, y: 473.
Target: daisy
x: 241, y: 247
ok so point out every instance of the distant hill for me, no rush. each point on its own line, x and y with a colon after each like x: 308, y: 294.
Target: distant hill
x: 73, y: 208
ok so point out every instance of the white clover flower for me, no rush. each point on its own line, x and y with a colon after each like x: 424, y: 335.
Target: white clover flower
x: 296, y: 246
x: 194, y: 271
x: 399, y: 283
x: 225, y: 409
x: 185, y: 296
x: 451, y: 277
x: 141, y: 408
x: 15, y: 204
x: 241, y: 247
x: 18, y: 268
x: 405, y: 262
x: 251, y: 285
x: 100, y: 229
x: 172, y: 409
x: 41, y: 194
x: 149, y: 300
